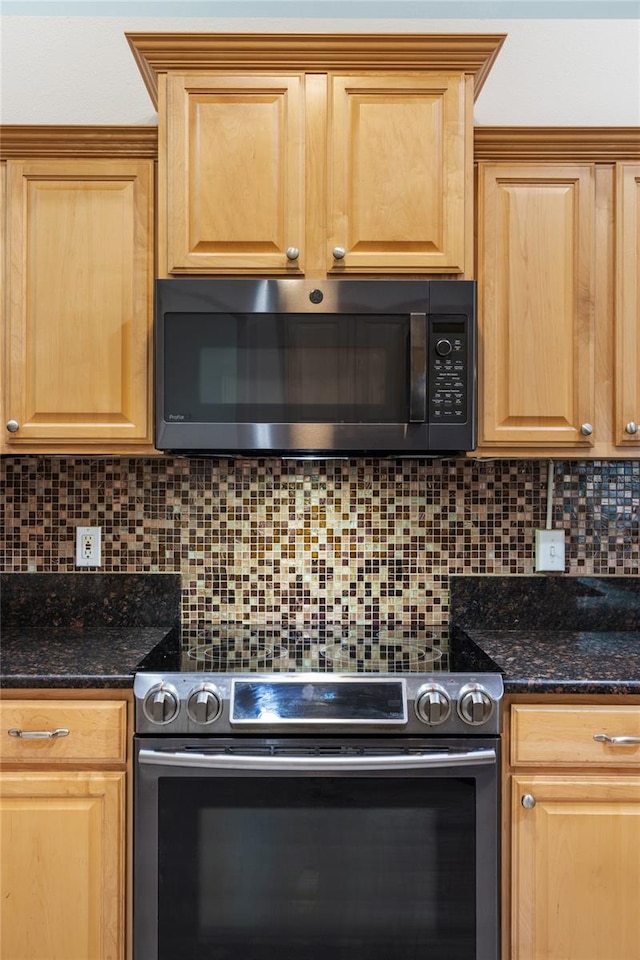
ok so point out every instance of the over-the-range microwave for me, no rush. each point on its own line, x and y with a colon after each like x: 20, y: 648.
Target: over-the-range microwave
x: 336, y: 368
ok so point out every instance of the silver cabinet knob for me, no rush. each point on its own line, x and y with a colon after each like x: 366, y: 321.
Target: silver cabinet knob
x: 528, y: 801
x: 586, y: 429
x: 293, y: 253
x: 631, y: 428
x: 338, y: 253
x: 13, y: 426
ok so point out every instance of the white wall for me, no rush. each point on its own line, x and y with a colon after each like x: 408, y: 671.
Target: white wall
x: 80, y: 70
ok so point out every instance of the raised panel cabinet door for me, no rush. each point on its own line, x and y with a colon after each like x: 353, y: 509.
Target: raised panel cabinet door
x: 80, y: 301
x: 536, y: 304
x: 62, y: 878
x: 575, y: 868
x: 627, y: 371
x: 400, y: 168
x: 234, y: 174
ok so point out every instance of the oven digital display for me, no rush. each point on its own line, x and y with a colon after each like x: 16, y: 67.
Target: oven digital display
x: 319, y: 701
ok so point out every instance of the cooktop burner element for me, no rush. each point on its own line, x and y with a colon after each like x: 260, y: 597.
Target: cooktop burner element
x: 383, y: 656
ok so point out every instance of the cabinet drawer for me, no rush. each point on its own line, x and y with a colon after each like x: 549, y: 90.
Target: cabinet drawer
x: 563, y: 735
x: 96, y: 731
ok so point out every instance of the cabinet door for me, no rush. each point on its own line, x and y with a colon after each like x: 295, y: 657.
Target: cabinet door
x: 576, y: 868
x: 399, y: 173
x: 627, y: 405
x: 80, y: 298
x: 535, y: 273
x: 234, y: 174
x: 62, y: 880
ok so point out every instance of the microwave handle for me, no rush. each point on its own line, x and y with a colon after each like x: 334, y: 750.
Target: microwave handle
x: 418, y: 368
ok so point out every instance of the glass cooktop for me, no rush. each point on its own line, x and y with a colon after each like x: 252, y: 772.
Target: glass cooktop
x: 235, y: 648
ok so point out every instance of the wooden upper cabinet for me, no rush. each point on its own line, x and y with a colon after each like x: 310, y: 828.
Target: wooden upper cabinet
x: 234, y: 172
x: 294, y: 154
x: 400, y: 193
x: 317, y: 174
x: 536, y: 312
x: 79, y: 303
x: 627, y: 332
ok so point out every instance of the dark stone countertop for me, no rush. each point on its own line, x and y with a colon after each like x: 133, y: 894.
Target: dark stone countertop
x: 550, y: 634
x: 82, y: 630
x: 81, y: 658
x: 556, y: 661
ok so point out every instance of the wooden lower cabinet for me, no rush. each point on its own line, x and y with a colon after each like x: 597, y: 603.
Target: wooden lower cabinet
x: 573, y: 831
x: 62, y: 865
x: 64, y: 816
x: 576, y: 868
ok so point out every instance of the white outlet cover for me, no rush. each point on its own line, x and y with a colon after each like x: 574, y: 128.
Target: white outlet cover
x: 88, y: 546
x: 550, y: 553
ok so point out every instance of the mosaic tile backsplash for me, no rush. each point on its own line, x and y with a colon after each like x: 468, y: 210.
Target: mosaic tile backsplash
x: 339, y: 541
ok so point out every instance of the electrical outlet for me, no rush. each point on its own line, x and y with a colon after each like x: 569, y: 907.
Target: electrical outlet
x: 88, y: 546
x: 550, y: 550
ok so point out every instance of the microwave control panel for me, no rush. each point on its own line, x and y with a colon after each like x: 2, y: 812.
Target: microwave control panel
x: 448, y: 370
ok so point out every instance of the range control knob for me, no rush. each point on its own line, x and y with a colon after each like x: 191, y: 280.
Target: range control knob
x: 161, y: 703
x: 433, y: 706
x: 204, y: 704
x: 475, y: 706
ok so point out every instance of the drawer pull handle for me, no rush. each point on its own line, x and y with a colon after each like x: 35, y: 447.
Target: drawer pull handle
x: 616, y: 741
x: 38, y: 734
x: 528, y: 801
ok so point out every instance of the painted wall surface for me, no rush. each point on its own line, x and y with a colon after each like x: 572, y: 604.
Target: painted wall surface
x: 571, y: 71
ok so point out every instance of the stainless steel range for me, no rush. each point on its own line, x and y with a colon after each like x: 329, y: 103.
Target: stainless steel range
x: 314, y: 793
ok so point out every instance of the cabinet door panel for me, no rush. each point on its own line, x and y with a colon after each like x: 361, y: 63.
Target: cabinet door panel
x: 399, y: 184
x: 80, y: 301
x: 627, y: 409
x: 536, y: 249
x: 235, y: 173
x: 62, y: 866
x: 576, y: 863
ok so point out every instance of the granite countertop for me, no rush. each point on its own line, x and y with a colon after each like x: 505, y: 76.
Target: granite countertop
x: 82, y: 630
x: 81, y: 658
x: 564, y: 635
x: 559, y: 661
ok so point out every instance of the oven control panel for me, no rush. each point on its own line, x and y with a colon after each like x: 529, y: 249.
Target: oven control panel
x: 449, y: 704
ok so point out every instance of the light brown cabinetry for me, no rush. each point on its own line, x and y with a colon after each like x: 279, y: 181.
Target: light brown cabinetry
x: 79, y: 297
x: 317, y: 173
x: 557, y: 287
x: 62, y: 830
x: 315, y: 155
x: 575, y: 832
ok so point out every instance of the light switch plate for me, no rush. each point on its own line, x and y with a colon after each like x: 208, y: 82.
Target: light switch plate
x: 550, y: 551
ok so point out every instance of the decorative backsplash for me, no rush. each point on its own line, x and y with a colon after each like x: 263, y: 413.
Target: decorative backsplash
x: 340, y: 541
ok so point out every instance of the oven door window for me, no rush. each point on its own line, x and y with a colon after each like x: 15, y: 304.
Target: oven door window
x: 286, y: 368
x: 347, y: 868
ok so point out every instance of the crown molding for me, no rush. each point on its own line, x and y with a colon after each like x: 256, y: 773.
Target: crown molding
x: 157, y: 53
x: 26, y: 142
x: 595, y: 144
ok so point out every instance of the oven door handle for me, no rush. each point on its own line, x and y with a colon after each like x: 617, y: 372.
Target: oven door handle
x: 238, y: 761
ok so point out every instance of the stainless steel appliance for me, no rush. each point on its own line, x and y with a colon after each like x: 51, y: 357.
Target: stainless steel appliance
x: 334, y: 367
x: 315, y: 794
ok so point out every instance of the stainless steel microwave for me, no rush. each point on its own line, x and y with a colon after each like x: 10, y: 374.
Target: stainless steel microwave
x: 293, y: 367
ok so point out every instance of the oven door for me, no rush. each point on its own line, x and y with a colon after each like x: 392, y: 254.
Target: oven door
x: 316, y: 848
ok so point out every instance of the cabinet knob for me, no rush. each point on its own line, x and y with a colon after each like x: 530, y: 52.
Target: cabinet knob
x: 528, y: 801
x: 586, y: 429
x: 631, y: 428
x: 12, y: 426
x: 293, y: 253
x: 338, y: 253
